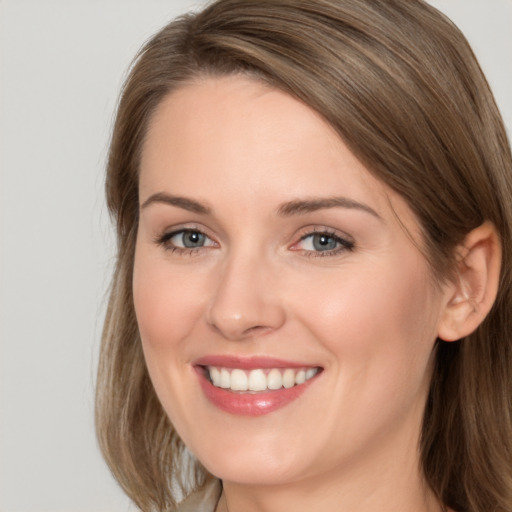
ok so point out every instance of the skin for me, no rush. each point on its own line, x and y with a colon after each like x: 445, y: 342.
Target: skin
x: 368, y: 315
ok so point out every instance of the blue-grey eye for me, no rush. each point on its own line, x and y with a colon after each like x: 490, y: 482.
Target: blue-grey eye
x: 188, y: 239
x: 324, y: 242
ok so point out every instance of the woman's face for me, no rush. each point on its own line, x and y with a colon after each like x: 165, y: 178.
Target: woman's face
x: 269, y: 257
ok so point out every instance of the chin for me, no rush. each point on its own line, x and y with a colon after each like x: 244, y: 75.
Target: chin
x: 246, y: 472
x: 258, y: 464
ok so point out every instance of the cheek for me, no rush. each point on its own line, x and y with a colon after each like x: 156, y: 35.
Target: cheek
x: 379, y: 322
x: 379, y: 329
x: 167, y: 304
x: 391, y: 299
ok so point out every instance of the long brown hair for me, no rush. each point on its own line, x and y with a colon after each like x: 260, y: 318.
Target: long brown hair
x: 401, y: 86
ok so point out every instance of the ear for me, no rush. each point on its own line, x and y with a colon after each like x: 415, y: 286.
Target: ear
x: 472, y: 295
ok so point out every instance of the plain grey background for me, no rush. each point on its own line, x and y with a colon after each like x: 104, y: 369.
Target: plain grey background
x: 62, y: 63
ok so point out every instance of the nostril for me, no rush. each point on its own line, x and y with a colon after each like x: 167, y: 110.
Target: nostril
x: 240, y: 330
x: 258, y: 329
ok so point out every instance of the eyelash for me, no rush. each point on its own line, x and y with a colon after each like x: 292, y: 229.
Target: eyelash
x: 344, y: 244
x: 164, y: 240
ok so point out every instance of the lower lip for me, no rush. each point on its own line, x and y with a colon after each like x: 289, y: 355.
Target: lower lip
x: 250, y: 403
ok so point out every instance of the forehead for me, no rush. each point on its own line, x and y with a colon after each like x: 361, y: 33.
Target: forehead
x: 236, y: 137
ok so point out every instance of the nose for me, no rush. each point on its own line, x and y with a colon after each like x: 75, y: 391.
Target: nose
x: 246, y: 302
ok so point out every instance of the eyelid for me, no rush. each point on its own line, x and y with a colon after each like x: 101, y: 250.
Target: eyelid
x: 347, y: 243
x: 162, y: 238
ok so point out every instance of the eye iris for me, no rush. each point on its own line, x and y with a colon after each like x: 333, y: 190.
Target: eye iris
x: 324, y: 242
x: 193, y: 239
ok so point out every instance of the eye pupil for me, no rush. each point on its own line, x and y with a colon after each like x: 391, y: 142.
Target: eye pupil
x: 324, y: 242
x: 193, y: 239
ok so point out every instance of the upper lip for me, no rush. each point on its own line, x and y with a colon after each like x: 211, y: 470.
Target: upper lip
x: 249, y: 363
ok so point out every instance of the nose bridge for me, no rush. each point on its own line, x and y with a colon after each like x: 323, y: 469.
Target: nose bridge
x: 245, y: 302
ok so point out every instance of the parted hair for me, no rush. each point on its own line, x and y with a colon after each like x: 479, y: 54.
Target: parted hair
x: 403, y: 89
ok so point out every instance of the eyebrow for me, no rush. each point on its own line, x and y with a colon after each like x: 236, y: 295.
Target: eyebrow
x: 288, y: 209
x: 301, y: 207
x: 185, y: 203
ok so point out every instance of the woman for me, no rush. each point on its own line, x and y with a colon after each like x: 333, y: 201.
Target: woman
x: 312, y: 290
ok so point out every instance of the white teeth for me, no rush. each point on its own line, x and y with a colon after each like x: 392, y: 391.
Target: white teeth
x: 259, y: 380
x: 215, y: 376
x: 274, y: 379
x: 288, y: 378
x: 225, y: 379
x: 310, y: 372
x: 239, y: 380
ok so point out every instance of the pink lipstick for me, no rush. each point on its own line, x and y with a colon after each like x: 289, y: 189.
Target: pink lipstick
x: 253, y: 386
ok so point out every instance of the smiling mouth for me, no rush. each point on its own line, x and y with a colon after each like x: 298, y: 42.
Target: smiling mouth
x: 258, y: 380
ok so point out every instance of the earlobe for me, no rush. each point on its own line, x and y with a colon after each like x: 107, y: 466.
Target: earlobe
x: 472, y: 295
